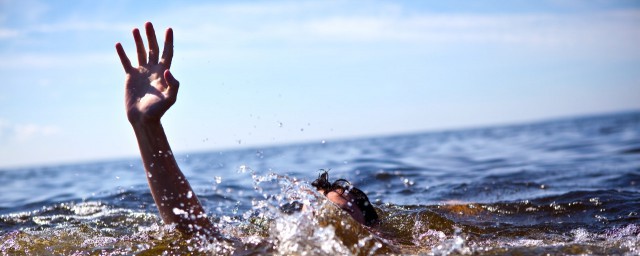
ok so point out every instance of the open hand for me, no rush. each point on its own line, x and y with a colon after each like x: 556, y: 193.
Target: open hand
x: 150, y: 89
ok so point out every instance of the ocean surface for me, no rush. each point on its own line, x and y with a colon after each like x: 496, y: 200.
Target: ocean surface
x: 566, y: 186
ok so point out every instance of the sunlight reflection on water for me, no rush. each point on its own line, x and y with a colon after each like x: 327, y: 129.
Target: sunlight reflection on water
x: 562, y: 187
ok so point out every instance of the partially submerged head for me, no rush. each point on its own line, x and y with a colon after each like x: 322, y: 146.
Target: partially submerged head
x: 348, y: 198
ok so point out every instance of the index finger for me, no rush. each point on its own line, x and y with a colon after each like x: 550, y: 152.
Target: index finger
x: 167, y: 52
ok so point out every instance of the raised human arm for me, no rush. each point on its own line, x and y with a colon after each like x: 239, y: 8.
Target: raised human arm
x: 150, y: 90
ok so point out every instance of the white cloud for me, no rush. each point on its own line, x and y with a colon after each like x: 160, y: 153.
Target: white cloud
x: 260, y: 9
x: 23, y: 132
x: 317, y: 23
x: 79, y: 26
x: 211, y: 28
x: 6, y: 33
x: 29, y: 131
x: 27, y: 10
x: 56, y: 60
x: 330, y: 22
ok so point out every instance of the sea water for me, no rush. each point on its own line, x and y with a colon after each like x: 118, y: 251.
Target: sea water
x: 569, y: 186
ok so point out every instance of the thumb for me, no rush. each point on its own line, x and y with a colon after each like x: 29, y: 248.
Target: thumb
x: 171, y: 82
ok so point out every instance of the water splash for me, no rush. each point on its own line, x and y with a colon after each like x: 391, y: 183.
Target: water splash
x: 558, y: 188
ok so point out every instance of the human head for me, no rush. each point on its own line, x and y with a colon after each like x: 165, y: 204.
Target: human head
x: 347, y: 197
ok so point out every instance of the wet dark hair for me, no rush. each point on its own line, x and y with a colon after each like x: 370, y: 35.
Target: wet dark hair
x: 360, y: 198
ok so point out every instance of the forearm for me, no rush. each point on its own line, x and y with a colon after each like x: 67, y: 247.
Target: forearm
x: 170, y: 189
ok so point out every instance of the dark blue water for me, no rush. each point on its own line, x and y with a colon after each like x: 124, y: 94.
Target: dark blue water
x: 568, y: 186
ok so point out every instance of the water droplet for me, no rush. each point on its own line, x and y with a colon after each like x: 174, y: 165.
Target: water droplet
x: 178, y: 211
x: 117, y: 177
x: 408, y: 182
x: 323, y: 142
x: 219, y: 179
x: 189, y: 194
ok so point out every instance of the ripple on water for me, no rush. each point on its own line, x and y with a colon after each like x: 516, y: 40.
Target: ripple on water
x: 560, y: 187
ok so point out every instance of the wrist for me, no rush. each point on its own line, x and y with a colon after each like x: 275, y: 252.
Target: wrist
x: 146, y: 125
x: 138, y: 120
x: 151, y: 140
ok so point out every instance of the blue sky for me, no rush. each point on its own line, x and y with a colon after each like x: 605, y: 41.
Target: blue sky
x: 275, y: 72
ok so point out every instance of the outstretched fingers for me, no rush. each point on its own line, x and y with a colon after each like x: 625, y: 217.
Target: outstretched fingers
x: 153, y: 43
x: 126, y: 63
x: 142, y: 54
x: 167, y: 52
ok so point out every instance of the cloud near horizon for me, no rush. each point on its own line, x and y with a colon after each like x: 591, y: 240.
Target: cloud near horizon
x: 15, y: 132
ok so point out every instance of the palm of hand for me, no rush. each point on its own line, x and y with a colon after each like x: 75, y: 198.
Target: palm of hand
x: 146, y: 95
x: 150, y: 89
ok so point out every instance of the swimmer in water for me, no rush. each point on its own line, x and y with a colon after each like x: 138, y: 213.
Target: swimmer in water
x: 150, y: 90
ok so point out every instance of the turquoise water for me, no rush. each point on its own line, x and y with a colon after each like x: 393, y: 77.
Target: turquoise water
x: 569, y: 186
